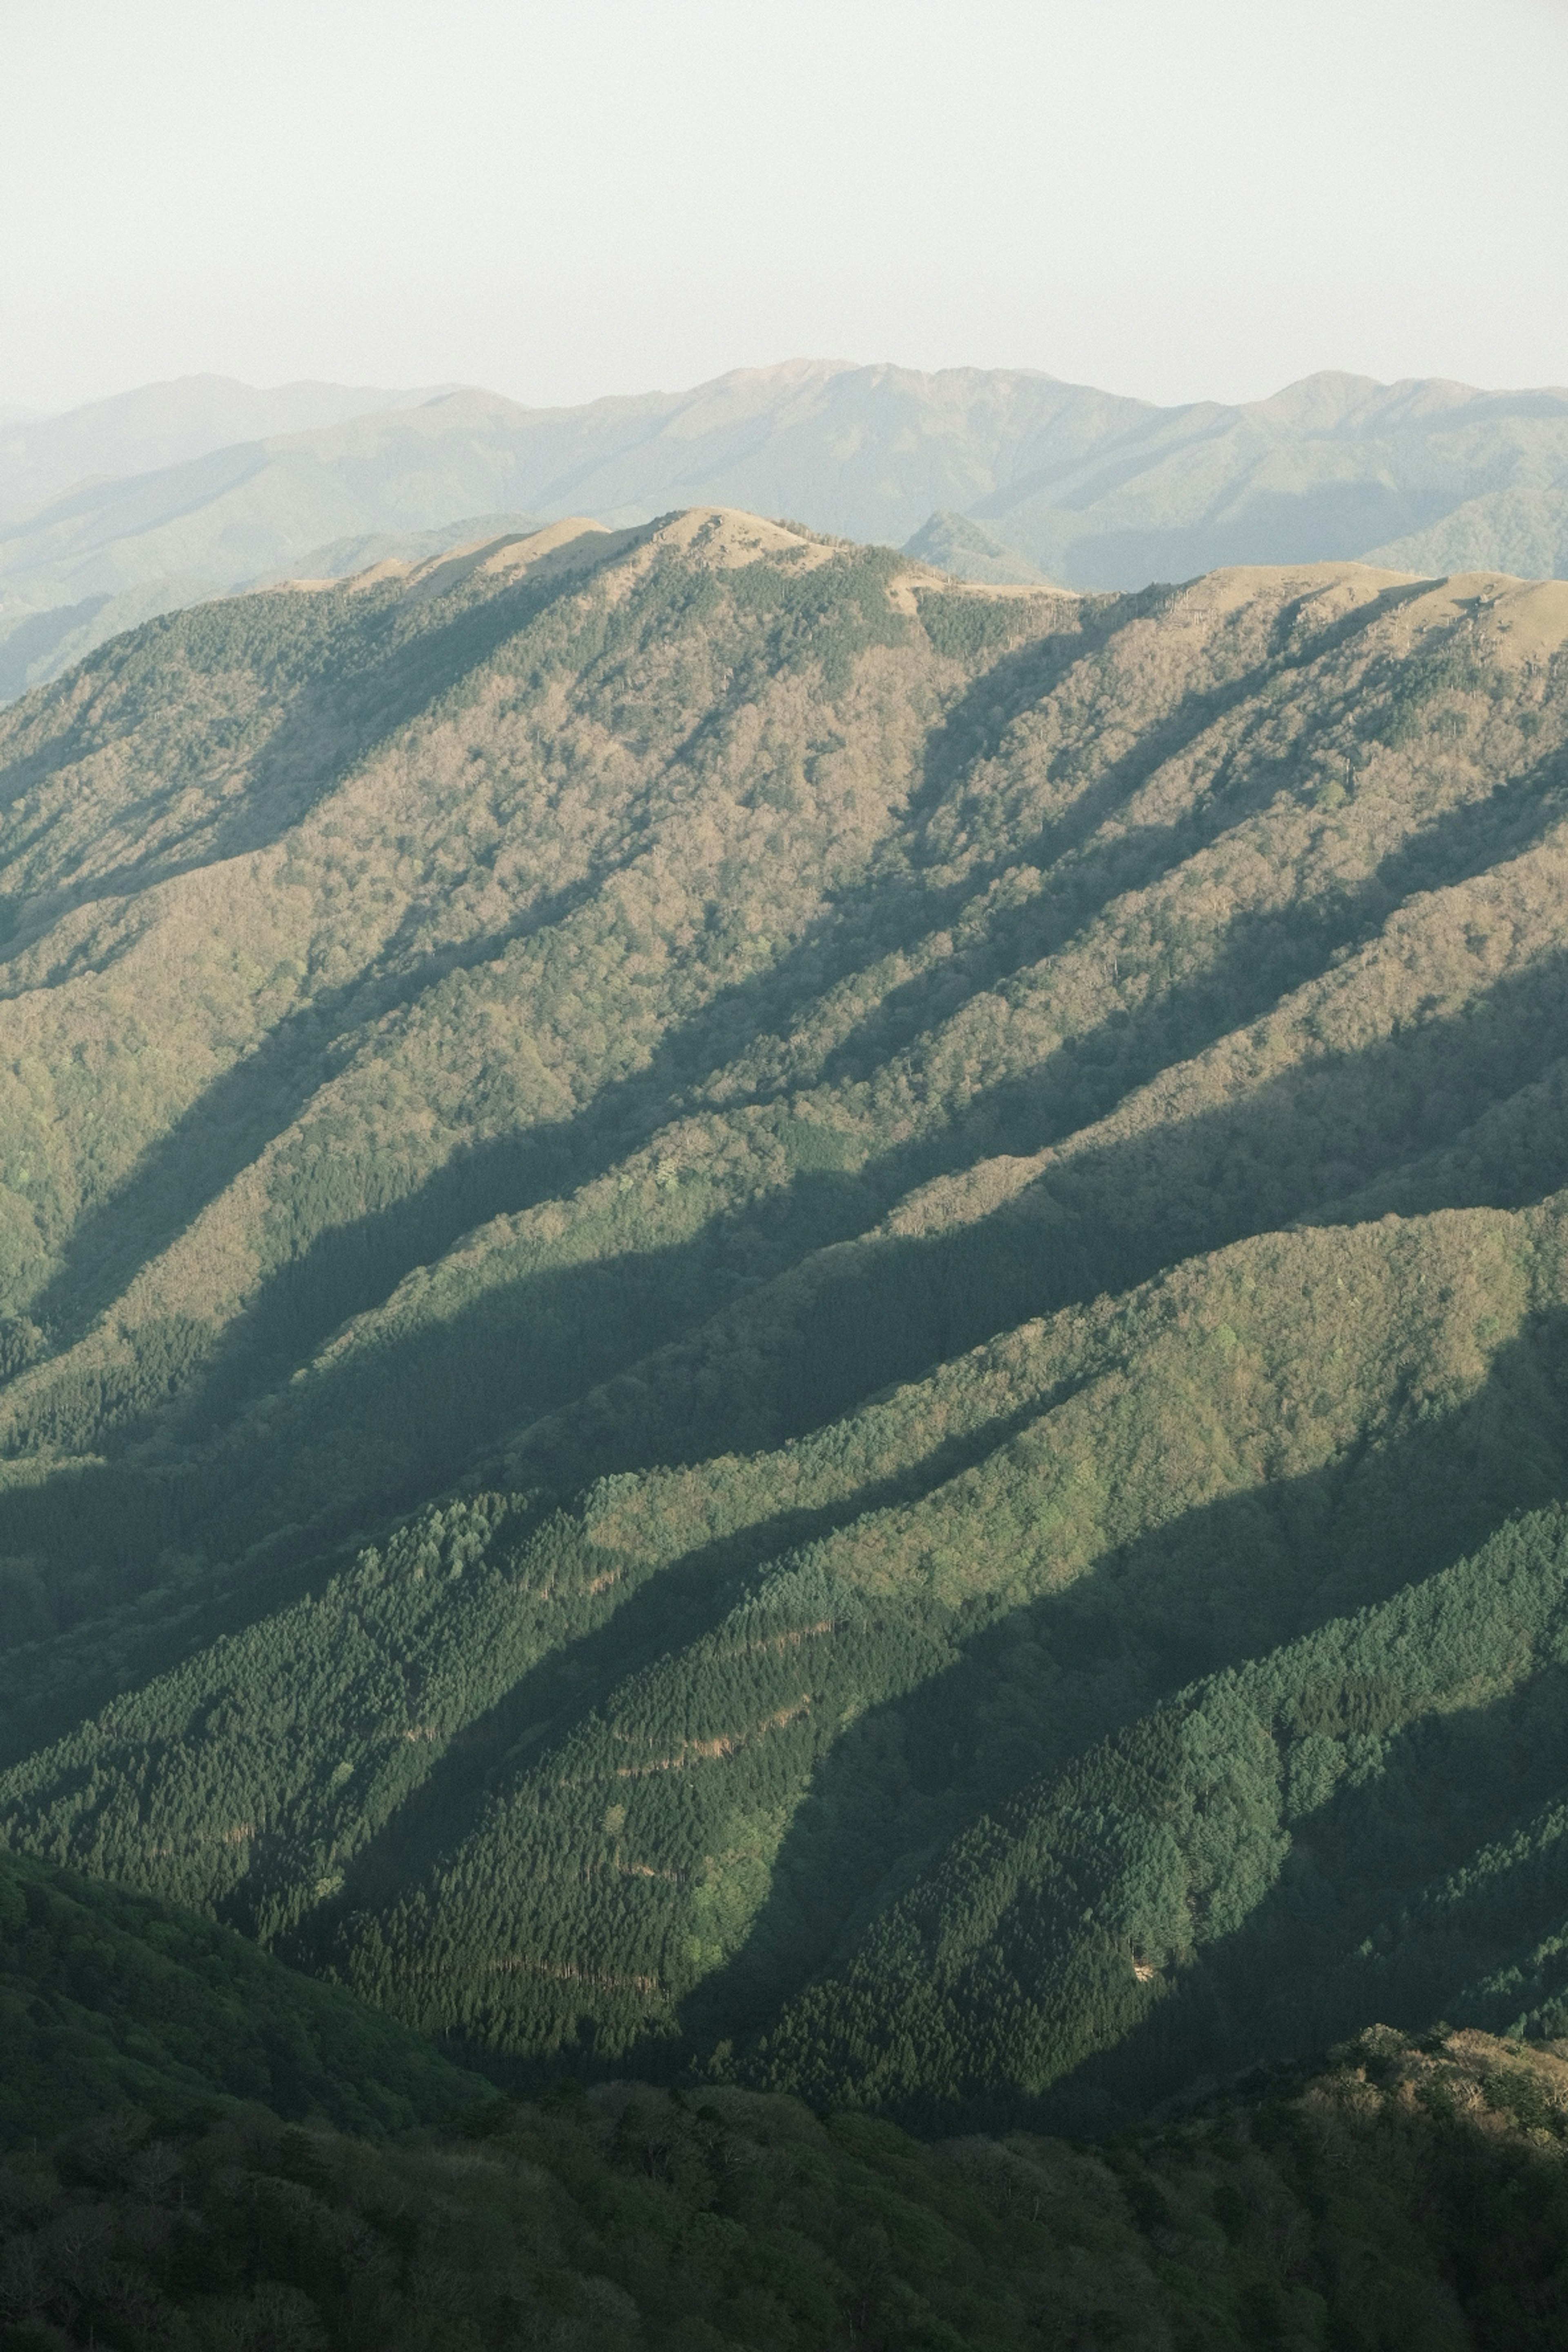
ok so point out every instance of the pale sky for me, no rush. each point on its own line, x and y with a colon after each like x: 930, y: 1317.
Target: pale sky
x: 1177, y: 198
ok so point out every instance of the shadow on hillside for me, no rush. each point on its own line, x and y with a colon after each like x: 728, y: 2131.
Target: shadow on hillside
x: 678, y: 1353
x: 254, y: 1101
x: 32, y: 642
x: 431, y: 1404
x: 1085, y: 876
x: 335, y: 718
x: 1326, y: 526
x: 1113, y: 1215
x: 674, y: 1607
x: 355, y: 1263
x: 109, y: 1530
x: 242, y: 1111
x: 1091, y: 875
x: 258, y: 1098
x: 1217, y: 1586
x: 1351, y: 1931
x: 1022, y: 678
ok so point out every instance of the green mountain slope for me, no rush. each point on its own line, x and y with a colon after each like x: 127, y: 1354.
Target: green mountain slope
x: 112, y: 1999
x: 705, y: 1238
x: 952, y: 543
x: 1287, y: 1845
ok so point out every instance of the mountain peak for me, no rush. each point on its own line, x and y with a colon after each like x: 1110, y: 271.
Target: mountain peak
x: 954, y: 543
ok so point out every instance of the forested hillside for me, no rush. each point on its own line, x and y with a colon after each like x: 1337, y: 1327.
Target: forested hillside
x: 112, y: 2001
x: 768, y: 1320
x: 1397, y: 2195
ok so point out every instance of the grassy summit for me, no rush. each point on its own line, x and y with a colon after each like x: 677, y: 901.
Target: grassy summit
x: 762, y: 1313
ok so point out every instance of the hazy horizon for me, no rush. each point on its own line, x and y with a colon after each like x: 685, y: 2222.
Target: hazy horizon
x: 15, y: 413
x: 1204, y: 202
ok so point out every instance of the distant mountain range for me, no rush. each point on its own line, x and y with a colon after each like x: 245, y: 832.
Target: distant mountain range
x: 161, y: 425
x: 185, y: 491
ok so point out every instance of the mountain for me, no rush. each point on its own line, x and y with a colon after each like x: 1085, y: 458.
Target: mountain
x: 113, y: 2000
x: 342, y: 558
x: 44, y: 643
x: 950, y: 542
x: 1397, y: 2194
x: 161, y: 425
x: 1085, y: 488
x: 130, y: 559
x: 769, y: 1319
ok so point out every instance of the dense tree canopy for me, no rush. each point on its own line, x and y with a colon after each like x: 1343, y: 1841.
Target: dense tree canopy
x: 1397, y: 2195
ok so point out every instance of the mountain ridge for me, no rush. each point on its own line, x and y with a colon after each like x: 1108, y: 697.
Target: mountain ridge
x: 1091, y: 488
x: 158, y: 425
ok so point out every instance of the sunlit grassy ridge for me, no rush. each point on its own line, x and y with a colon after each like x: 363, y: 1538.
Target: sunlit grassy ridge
x: 691, y: 1214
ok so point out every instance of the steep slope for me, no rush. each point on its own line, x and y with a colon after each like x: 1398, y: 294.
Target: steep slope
x: 112, y: 1999
x: 699, y: 1224
x: 1086, y: 488
x: 1371, y: 1817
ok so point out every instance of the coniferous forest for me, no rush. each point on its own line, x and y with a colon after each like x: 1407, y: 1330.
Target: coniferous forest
x: 783, y: 1458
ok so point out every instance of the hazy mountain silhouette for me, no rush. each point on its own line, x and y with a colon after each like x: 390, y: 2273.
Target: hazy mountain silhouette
x: 1087, y: 487
x: 162, y: 424
x: 969, y: 551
